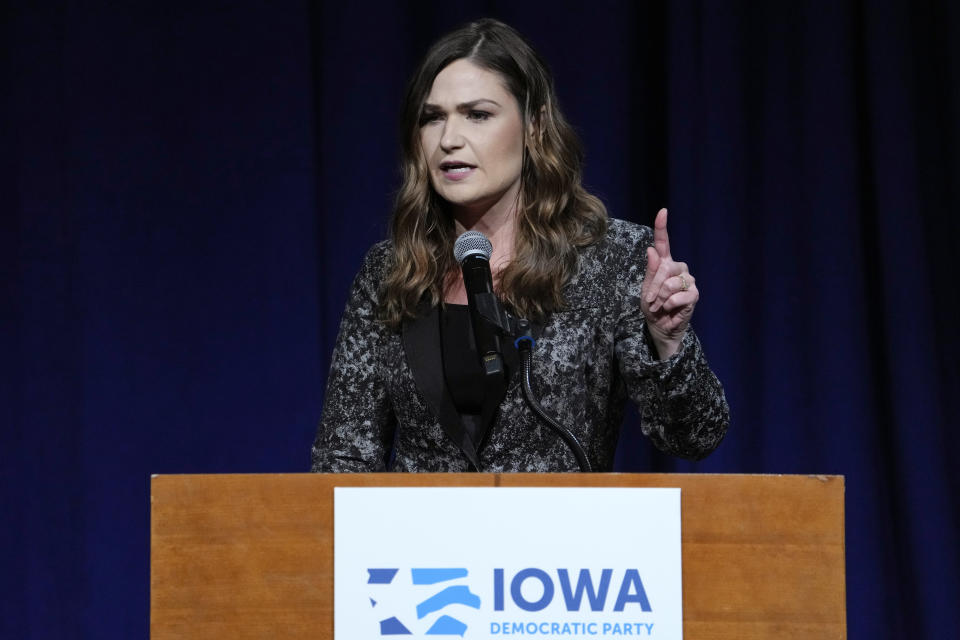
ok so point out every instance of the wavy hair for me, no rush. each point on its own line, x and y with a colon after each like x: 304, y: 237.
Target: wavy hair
x: 555, y: 215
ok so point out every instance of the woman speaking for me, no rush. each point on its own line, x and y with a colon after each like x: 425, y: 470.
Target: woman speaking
x: 434, y: 372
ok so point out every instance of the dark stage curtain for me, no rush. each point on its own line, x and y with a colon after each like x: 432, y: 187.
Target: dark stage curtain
x: 186, y: 192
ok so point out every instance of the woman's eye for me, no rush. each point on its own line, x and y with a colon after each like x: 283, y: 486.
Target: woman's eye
x: 427, y: 118
x: 478, y: 115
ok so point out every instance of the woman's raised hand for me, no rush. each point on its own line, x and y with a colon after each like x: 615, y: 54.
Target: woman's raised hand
x: 669, y: 292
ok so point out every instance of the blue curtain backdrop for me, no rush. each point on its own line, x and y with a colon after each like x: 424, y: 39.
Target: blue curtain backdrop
x: 187, y: 190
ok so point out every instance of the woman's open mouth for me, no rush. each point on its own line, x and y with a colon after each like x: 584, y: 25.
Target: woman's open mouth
x: 456, y: 170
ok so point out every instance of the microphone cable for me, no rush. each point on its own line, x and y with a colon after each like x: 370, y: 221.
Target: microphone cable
x: 524, y: 346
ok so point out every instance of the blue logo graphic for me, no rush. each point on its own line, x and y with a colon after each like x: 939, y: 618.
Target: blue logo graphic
x: 451, y: 594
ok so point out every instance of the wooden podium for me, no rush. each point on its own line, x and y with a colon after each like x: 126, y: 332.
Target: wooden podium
x: 251, y: 556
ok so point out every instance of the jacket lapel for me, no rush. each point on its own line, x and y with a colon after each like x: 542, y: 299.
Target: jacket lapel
x: 421, y: 344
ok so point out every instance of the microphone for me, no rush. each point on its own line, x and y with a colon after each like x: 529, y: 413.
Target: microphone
x: 472, y: 250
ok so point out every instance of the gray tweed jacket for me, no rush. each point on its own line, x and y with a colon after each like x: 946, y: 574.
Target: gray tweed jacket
x: 386, y: 388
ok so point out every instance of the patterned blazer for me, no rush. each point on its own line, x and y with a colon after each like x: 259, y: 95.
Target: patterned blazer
x: 386, y: 387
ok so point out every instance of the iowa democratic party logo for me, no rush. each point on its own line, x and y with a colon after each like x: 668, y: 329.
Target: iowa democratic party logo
x: 434, y: 590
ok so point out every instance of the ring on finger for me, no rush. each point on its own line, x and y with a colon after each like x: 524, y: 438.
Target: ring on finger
x: 684, y: 285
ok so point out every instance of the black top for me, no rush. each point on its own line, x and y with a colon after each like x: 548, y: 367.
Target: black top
x: 462, y: 371
x: 461, y: 363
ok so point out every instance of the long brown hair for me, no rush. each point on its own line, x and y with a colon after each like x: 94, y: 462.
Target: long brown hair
x: 555, y: 215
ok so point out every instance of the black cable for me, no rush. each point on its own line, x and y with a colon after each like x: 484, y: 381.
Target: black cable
x: 525, y: 346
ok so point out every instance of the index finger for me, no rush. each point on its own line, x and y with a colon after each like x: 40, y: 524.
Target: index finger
x: 660, y: 239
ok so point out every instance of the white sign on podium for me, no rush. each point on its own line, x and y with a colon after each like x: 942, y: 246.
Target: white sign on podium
x: 544, y: 563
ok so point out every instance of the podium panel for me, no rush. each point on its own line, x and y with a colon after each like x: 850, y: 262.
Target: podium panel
x: 251, y: 556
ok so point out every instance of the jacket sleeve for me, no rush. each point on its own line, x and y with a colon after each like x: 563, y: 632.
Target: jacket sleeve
x: 682, y: 406
x: 357, y: 424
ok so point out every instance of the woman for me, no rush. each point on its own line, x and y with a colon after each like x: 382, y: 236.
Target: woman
x: 485, y: 148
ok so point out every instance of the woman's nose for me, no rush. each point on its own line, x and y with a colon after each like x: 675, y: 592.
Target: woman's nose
x: 451, y: 138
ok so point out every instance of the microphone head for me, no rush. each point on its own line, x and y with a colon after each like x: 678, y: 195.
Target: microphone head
x: 472, y: 243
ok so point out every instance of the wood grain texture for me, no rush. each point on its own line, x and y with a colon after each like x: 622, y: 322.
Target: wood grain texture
x: 251, y: 556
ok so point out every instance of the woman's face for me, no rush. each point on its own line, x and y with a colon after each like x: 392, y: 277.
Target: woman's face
x: 471, y: 135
